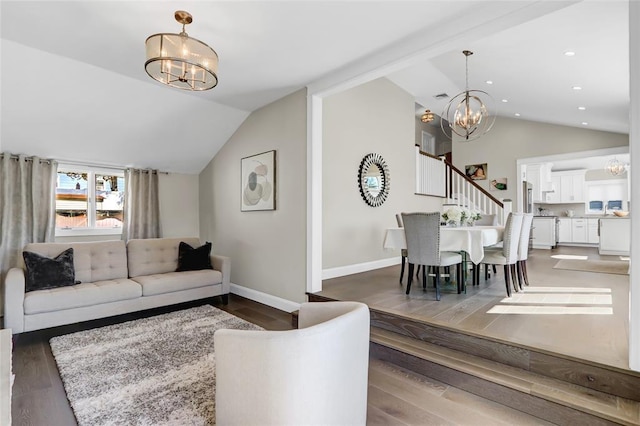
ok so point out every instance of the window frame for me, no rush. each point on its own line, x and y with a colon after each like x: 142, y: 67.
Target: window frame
x: 91, y: 172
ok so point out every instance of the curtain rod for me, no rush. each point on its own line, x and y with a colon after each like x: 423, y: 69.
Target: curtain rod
x: 77, y: 163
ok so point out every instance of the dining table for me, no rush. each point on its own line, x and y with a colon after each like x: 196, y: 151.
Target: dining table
x: 470, y: 240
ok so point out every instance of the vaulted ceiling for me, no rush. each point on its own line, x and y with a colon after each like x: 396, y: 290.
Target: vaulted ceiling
x: 74, y: 85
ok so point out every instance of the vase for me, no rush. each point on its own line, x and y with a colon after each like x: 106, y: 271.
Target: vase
x: 453, y: 223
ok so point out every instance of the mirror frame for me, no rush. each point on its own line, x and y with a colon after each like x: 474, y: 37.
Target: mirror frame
x: 365, y: 164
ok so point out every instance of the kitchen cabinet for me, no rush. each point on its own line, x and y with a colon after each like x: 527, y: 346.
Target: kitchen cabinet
x: 567, y: 186
x: 564, y: 230
x: 543, y: 232
x: 615, y: 236
x: 579, y: 231
x: 593, y: 231
x: 539, y: 175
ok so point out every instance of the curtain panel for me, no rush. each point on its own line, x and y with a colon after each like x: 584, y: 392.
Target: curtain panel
x: 141, y: 205
x: 27, y: 207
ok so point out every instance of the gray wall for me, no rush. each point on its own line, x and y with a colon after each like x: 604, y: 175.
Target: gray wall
x: 377, y: 117
x: 512, y: 139
x: 267, y: 248
x: 179, y: 209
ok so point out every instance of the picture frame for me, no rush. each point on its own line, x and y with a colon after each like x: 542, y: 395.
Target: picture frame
x: 258, y: 182
x: 498, y: 184
x: 476, y: 171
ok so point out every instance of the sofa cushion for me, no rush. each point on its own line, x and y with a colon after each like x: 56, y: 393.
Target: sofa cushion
x: 176, y: 281
x: 93, y: 261
x: 85, y: 294
x: 43, y: 272
x: 155, y: 255
x: 194, y: 259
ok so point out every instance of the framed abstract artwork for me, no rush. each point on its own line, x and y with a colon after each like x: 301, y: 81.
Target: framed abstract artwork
x: 258, y: 191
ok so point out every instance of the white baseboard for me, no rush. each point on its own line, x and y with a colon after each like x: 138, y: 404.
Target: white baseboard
x: 341, y: 271
x: 264, y: 298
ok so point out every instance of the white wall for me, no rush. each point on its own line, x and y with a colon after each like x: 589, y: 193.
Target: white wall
x: 267, y: 248
x: 376, y: 117
x: 511, y: 139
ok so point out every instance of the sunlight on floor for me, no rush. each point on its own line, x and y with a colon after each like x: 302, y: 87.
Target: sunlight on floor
x: 569, y: 256
x: 544, y: 301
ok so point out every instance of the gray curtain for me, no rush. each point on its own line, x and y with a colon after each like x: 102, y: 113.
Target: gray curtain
x: 141, y: 205
x: 27, y: 207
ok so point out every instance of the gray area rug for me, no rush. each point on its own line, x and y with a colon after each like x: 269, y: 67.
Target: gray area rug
x: 619, y: 267
x: 153, y: 371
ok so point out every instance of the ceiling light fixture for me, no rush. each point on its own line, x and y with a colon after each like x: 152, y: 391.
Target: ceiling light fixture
x: 181, y: 61
x: 517, y: 114
x: 577, y: 88
x: 489, y: 82
x: 569, y: 53
x: 615, y: 167
x: 427, y: 116
x: 466, y: 113
x: 581, y: 108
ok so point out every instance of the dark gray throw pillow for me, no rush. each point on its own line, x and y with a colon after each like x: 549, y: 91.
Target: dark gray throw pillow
x: 43, y: 273
x: 194, y: 259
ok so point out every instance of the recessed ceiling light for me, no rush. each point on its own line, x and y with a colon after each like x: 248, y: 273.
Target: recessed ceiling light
x: 581, y: 108
x: 577, y: 88
x: 517, y: 114
x: 584, y: 123
x: 505, y: 101
x: 569, y: 53
x: 489, y: 82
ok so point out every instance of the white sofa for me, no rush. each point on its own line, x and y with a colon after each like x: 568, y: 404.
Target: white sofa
x: 316, y: 375
x: 114, y: 279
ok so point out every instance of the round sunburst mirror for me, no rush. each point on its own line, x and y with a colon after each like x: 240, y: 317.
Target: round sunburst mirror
x: 373, y: 179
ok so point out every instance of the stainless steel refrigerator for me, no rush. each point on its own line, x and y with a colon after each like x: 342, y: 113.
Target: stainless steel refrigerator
x: 527, y: 197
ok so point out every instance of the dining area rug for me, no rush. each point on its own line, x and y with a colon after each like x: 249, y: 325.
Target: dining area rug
x: 619, y: 267
x: 152, y: 371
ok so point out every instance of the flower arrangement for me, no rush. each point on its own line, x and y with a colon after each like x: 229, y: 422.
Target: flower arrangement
x: 456, y: 215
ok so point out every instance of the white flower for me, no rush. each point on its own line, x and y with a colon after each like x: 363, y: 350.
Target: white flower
x: 453, y: 214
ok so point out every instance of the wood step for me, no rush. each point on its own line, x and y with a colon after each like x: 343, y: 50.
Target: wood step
x: 547, y: 398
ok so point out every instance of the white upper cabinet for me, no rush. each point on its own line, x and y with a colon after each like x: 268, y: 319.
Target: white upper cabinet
x: 567, y: 187
x: 539, y: 175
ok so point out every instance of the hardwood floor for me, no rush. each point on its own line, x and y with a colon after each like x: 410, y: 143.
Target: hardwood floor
x: 580, y: 314
x: 396, y: 396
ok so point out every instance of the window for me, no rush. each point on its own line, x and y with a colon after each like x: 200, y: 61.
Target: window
x: 89, y: 201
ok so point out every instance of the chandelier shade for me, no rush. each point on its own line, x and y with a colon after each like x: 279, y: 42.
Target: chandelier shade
x: 427, y: 117
x: 468, y: 113
x: 181, y: 61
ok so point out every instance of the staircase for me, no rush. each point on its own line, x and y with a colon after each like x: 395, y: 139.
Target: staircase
x: 552, y: 387
x: 436, y: 176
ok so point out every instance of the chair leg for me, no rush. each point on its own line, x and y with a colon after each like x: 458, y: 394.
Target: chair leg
x: 524, y: 271
x: 404, y: 259
x: 437, y: 282
x: 514, y: 277
x: 424, y: 279
x: 461, y: 283
x: 410, y: 277
x: 486, y: 271
x: 519, y: 271
x: 494, y: 269
x: 447, y: 270
x: 506, y: 280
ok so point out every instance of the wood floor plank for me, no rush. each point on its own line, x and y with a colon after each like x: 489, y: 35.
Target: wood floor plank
x: 404, y: 411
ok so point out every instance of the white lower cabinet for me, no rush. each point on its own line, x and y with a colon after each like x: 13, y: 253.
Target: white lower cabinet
x: 578, y: 230
x: 543, y: 232
x: 564, y: 230
x: 615, y: 236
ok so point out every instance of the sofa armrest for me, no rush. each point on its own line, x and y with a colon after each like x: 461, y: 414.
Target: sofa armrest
x: 14, y: 286
x: 223, y: 264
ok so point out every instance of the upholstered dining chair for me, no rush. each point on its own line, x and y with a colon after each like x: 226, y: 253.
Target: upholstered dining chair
x: 523, y: 249
x: 508, y: 254
x: 422, y: 232
x: 403, y: 252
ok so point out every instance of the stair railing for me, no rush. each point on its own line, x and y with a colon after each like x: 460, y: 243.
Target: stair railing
x: 437, y: 177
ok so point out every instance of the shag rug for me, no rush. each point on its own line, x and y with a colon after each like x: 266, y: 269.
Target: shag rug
x: 152, y: 371
x: 603, y: 266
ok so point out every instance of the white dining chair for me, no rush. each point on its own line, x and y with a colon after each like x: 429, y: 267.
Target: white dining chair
x: 422, y: 233
x: 523, y: 249
x: 508, y: 255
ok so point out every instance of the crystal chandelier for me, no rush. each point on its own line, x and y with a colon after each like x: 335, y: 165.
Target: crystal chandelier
x: 181, y: 61
x: 615, y: 167
x: 467, y: 114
